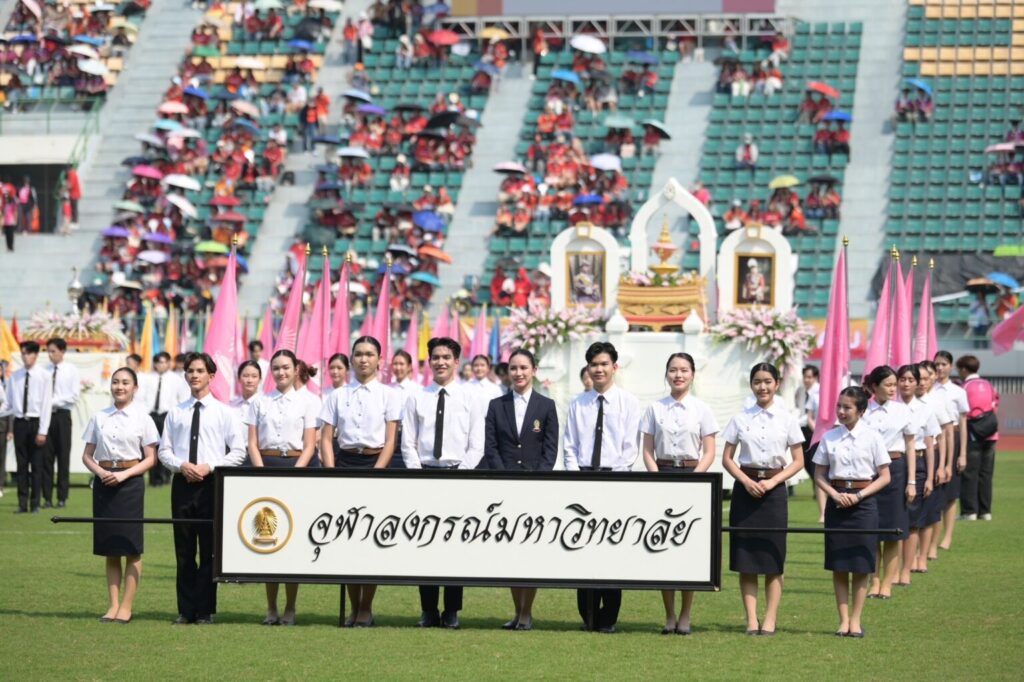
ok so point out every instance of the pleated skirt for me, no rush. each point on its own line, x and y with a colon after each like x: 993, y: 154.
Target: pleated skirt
x: 345, y: 460
x: 758, y: 553
x: 892, y: 501
x: 917, y: 511
x: 852, y: 552
x: 124, y: 501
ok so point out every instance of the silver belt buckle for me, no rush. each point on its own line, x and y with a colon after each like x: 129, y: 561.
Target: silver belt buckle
x: 761, y: 473
x: 284, y: 453
x: 849, y: 484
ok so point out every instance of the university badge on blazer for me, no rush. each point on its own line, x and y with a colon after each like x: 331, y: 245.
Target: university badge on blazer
x: 536, y: 426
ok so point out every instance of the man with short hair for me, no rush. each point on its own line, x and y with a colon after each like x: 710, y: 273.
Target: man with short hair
x: 66, y: 386
x: 256, y: 355
x: 134, y: 362
x: 982, y: 436
x: 29, y: 401
x: 159, y: 391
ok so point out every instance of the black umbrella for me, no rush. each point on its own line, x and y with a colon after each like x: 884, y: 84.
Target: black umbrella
x: 982, y: 285
x: 308, y: 30
x: 408, y: 106
x: 399, y: 206
x: 60, y: 40
x: 433, y: 132
x: 823, y: 179
x: 131, y: 161
x: 468, y: 122
x: 444, y: 119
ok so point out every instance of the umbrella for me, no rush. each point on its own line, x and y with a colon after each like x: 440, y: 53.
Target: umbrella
x: 510, y: 167
x: 468, y: 121
x: 89, y: 40
x: 130, y: 284
x: 227, y: 217
x: 93, y: 67
x: 33, y: 7
x: 301, y: 45
x: 328, y: 139
x: 433, y: 132
x: 487, y: 67
x: 426, y: 278
x: 172, y: 108
x: 606, y: 162
x: 783, y: 181
x: 823, y: 179
x: 660, y: 127
x: 83, y: 50
x: 147, y: 172
x: 210, y: 246
x: 587, y: 43
x: 443, y: 37
x: 371, y: 109
x: 435, y: 253
x: 395, y: 269
x: 495, y: 33
x: 154, y: 257
x: 150, y: 139
x: 115, y: 232
x: 215, y: 262
x: 166, y: 124
x: 247, y: 124
x: 642, y: 57
x: 1001, y: 147
x: 428, y: 220
x: 619, y: 122
x: 182, y: 204
x: 263, y: 5
x: 437, y: 8
x: 226, y: 95
x: 409, y: 106
x: 328, y: 187
x: 1004, y: 280
x: 567, y: 76
x: 196, y: 92
x: 585, y: 199
x: 243, y: 264
x: 326, y: 5
x: 157, y: 238
x: 823, y: 89
x: 838, y: 116
x: 353, y: 93
x: 920, y: 85
x: 103, y: 7
x: 56, y: 39
x: 251, y: 63
x: 245, y: 108
x: 134, y: 160
x: 130, y: 206
x: 353, y: 153
x: 402, y: 249
x: 443, y: 120
x: 982, y: 285
x: 25, y: 38
x: 183, y: 182
x: 227, y: 201
x: 186, y: 134
x: 123, y: 216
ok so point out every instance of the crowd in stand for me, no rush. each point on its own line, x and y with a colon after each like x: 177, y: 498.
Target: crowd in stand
x: 786, y: 211
x: 1007, y: 163
x: 763, y: 77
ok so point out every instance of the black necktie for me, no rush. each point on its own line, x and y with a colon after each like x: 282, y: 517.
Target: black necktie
x: 53, y: 386
x: 439, y: 424
x: 193, y: 440
x: 24, y: 397
x: 595, y: 457
x: 159, y: 385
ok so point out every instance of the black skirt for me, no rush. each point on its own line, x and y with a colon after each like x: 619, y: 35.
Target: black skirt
x: 123, y: 501
x: 759, y: 553
x: 675, y: 470
x: 934, y: 504
x: 917, y: 511
x: 350, y: 460
x: 272, y: 462
x: 852, y: 552
x: 892, y: 501
x: 952, y: 489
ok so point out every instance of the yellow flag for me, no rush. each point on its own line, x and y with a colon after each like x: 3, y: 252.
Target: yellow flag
x: 8, y: 344
x: 171, y: 333
x: 145, y: 346
x: 424, y: 339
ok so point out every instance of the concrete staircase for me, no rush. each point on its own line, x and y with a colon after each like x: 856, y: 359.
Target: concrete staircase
x: 866, y: 185
x: 38, y: 273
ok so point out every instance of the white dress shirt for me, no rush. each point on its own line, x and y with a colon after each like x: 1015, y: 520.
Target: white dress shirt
x: 487, y: 389
x: 66, y: 385
x: 678, y: 427
x: 220, y: 435
x: 464, y: 414
x: 893, y: 421
x: 764, y: 436
x: 939, y: 407
x: 852, y: 455
x: 40, y: 396
x: 280, y: 419
x: 809, y: 403
x: 170, y: 386
x: 924, y: 421
x: 520, y: 401
x: 620, y: 436
x: 406, y: 387
x: 360, y: 413
x: 955, y: 397
x: 120, y: 434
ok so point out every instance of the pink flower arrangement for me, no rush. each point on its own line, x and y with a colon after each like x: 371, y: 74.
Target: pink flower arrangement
x: 75, y: 325
x: 534, y: 327
x: 653, y: 279
x: 783, y: 338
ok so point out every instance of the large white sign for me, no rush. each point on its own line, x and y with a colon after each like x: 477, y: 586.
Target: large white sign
x: 474, y: 528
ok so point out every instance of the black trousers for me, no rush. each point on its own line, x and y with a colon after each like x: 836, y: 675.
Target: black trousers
x: 6, y: 426
x: 452, y: 598
x: 605, y: 604
x: 9, y: 236
x: 159, y: 474
x: 30, y: 461
x: 976, y: 486
x: 58, y: 456
x: 197, y: 593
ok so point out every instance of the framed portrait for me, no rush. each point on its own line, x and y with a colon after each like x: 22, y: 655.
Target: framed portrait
x: 755, y: 280
x: 585, y: 273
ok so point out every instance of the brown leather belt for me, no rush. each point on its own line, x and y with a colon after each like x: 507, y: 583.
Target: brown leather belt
x: 895, y: 455
x: 760, y: 474
x: 371, y: 452
x: 117, y: 464
x: 678, y: 463
x: 281, y: 453
x: 849, y: 484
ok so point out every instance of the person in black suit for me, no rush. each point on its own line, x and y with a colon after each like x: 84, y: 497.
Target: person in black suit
x: 521, y: 434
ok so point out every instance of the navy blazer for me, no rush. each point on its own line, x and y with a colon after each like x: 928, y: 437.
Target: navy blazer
x: 535, y: 448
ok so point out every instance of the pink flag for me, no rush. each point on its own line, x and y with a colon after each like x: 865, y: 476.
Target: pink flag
x: 923, y: 348
x: 835, y: 365
x: 267, y: 330
x: 909, y: 291
x: 902, y: 324
x: 222, y: 335
x: 412, y: 343
x: 314, y: 344
x: 288, y: 334
x: 1007, y: 332
x: 878, y: 347
x: 382, y: 326
x: 366, y: 328
x: 458, y: 333
x: 441, y: 329
x: 341, y: 326
x: 478, y: 346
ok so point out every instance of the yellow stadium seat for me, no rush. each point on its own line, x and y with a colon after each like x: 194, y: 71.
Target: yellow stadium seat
x: 965, y: 54
x: 911, y: 54
x: 1017, y: 69
x: 981, y: 68
x: 986, y: 11
x: 929, y: 54
x: 983, y: 54
x: 1000, y: 69
x: 1000, y: 54
x: 947, y: 54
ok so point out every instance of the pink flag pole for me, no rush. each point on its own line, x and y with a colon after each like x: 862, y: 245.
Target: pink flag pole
x: 878, y: 346
x: 835, y: 365
x: 341, y: 326
x: 478, y: 346
x: 412, y: 343
x: 902, y: 329
x: 288, y: 334
x: 933, y: 337
x: 315, y: 333
x: 922, y: 344
x: 221, y: 341
x: 382, y: 324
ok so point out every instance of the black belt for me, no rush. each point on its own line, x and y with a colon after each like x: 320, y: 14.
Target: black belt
x: 597, y: 469
x: 442, y: 466
x: 61, y: 409
x: 26, y: 419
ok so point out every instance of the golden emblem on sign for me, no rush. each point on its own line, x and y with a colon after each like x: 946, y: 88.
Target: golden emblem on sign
x: 265, y: 525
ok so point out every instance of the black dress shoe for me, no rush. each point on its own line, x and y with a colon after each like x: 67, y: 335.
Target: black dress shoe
x: 204, y: 620
x: 608, y: 630
x: 511, y: 625
x: 181, y: 620
x: 36, y: 510
x: 450, y: 620
x: 21, y: 511
x: 525, y: 627
x: 47, y: 504
x: 429, y: 620
x: 61, y: 504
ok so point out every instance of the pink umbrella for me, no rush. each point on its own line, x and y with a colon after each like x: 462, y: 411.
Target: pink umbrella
x: 1001, y: 147
x: 33, y: 7
x: 147, y: 172
x: 245, y: 108
x: 173, y: 108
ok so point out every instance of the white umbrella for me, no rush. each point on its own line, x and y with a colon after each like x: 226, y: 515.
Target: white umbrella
x: 606, y: 162
x: 250, y: 63
x: 183, y: 205
x: 182, y: 182
x: 185, y: 133
x: 587, y: 43
x: 150, y: 139
x: 245, y: 108
x: 84, y: 51
x: 92, y: 67
x: 154, y: 257
x: 354, y: 152
x: 327, y: 5
x: 262, y: 5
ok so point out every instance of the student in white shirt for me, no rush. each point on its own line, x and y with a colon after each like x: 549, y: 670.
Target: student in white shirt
x: 770, y: 451
x: 66, y: 386
x: 443, y: 428
x: 337, y: 370
x: 402, y: 381
x: 250, y: 379
x: 602, y: 431
x: 281, y: 433
x: 678, y: 436
x: 481, y: 381
x: 256, y: 355
x: 956, y: 446
x: 892, y: 419
x: 926, y: 429
x: 807, y: 397
x: 114, y: 439
x: 852, y: 465
x: 200, y: 434
x: 159, y: 391
x: 29, y: 401
x: 935, y: 503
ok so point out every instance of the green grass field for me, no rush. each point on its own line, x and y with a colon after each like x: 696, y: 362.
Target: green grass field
x: 960, y: 621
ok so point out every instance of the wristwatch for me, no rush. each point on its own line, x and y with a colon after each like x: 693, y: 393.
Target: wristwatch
x: 911, y: 482
x: 860, y: 495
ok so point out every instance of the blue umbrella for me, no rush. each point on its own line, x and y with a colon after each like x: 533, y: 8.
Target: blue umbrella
x: 301, y: 45
x: 226, y: 95
x: 584, y: 199
x: 167, y: 124
x: 196, y: 92
x: 1004, y: 280
x: 328, y: 139
x: 838, y: 116
x: 434, y: 227
x: 641, y: 57
x: 353, y: 93
x: 156, y: 238
x: 115, y: 231
x: 89, y: 40
x: 371, y: 109
x: 395, y: 269
x: 24, y: 38
x: 437, y: 8
x: 920, y: 85
x: 242, y: 263
x: 487, y: 68
x: 426, y: 278
x: 327, y: 168
x: 567, y: 76
x: 247, y: 124
x: 428, y: 220
x: 328, y: 186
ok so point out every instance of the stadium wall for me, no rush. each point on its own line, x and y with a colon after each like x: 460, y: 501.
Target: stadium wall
x: 468, y: 8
